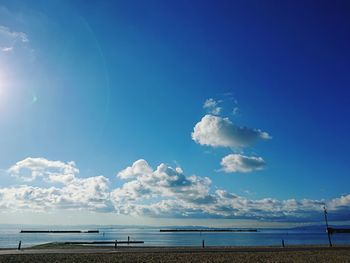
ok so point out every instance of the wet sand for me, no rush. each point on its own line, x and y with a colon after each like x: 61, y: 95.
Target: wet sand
x: 179, y: 254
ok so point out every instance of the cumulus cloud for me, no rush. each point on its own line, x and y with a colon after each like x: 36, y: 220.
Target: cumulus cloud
x: 164, y: 181
x: 30, y: 169
x: 212, y: 107
x: 160, y: 192
x: 138, y: 168
x: 74, y: 193
x: 234, y: 163
x: 221, y: 132
x: 166, y: 192
x: 91, y: 194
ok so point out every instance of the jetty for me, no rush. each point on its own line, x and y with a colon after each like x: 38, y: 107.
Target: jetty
x: 59, y: 231
x: 208, y: 230
x: 332, y: 230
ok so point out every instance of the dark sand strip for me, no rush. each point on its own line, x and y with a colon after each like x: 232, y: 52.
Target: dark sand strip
x: 180, y: 254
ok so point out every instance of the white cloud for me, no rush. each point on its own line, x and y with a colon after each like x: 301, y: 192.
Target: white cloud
x: 74, y: 193
x: 30, y: 169
x: 160, y: 192
x: 235, y: 111
x: 91, y: 194
x: 138, y: 168
x: 7, y: 49
x: 17, y: 36
x: 165, y: 192
x: 165, y: 181
x: 212, y: 107
x: 234, y: 163
x: 9, y: 39
x: 341, y: 202
x: 221, y: 132
x: 209, y: 103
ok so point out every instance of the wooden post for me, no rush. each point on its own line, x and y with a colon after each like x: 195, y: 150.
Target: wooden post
x: 19, y: 245
x: 329, y: 234
x: 128, y: 240
x: 282, y: 242
x: 116, y: 244
x: 203, y: 243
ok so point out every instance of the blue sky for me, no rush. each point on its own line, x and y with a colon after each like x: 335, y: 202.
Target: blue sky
x: 109, y: 84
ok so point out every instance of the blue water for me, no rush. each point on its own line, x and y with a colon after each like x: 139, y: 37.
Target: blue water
x: 10, y: 236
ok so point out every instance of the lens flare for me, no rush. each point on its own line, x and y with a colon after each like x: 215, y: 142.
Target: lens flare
x: 34, y: 99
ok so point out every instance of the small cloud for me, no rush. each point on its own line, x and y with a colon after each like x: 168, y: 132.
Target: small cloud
x: 212, y: 106
x: 6, y: 49
x: 11, y: 40
x: 221, y: 132
x: 237, y: 163
x: 235, y: 111
x: 17, y: 36
x: 209, y: 103
x: 249, y: 192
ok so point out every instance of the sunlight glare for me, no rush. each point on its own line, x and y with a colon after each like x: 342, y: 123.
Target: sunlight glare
x: 4, y: 84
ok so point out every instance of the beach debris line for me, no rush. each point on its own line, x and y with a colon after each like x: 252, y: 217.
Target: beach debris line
x: 208, y: 230
x: 59, y: 231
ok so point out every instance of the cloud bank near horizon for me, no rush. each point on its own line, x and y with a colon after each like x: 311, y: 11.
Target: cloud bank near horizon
x: 161, y: 192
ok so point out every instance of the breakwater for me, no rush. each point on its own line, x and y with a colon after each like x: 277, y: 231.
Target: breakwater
x: 59, y: 231
x: 208, y: 230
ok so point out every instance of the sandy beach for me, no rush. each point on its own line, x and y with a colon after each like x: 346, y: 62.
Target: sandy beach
x: 178, y: 254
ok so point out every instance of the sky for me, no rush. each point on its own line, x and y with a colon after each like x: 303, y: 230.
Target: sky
x: 218, y: 113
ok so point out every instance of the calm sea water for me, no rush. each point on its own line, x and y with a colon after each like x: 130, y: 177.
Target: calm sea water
x: 10, y: 236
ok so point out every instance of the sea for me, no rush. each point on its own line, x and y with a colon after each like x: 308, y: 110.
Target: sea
x: 10, y: 236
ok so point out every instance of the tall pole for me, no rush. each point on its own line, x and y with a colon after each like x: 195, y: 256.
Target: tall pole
x: 329, y: 235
